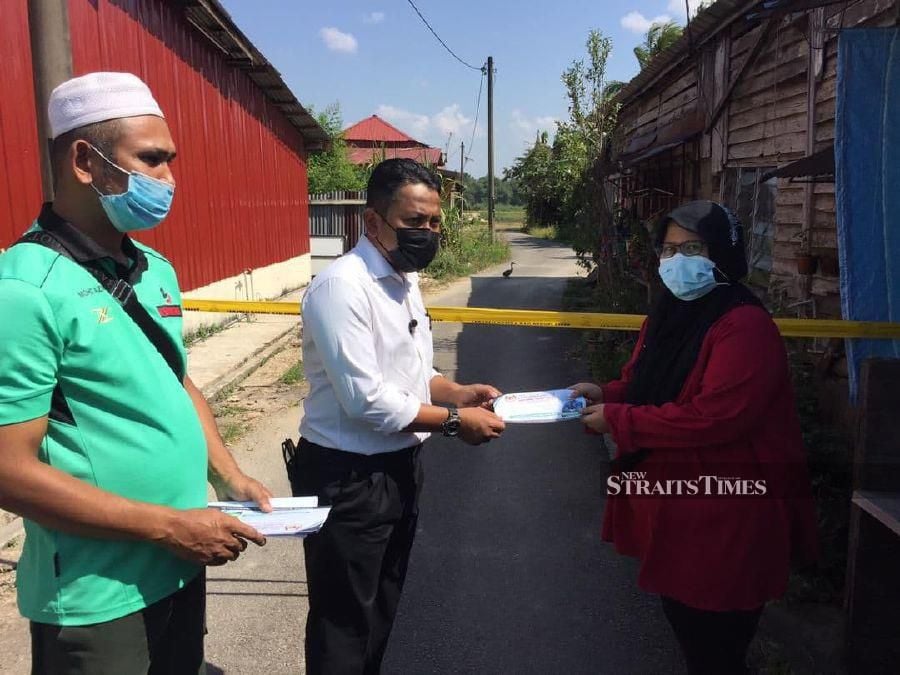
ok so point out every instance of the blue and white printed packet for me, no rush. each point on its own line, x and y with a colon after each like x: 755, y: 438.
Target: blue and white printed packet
x: 532, y: 407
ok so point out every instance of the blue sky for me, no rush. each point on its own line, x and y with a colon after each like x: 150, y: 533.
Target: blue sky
x: 377, y: 56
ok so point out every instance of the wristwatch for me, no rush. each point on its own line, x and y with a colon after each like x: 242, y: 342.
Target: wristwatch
x: 450, y: 426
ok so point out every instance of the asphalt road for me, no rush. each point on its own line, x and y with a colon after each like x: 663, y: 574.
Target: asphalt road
x: 508, y: 573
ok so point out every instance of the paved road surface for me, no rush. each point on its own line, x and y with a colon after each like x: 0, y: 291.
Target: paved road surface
x: 508, y: 573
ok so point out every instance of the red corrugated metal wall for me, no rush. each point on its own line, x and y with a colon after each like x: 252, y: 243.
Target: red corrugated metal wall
x: 241, y: 199
x: 20, y: 173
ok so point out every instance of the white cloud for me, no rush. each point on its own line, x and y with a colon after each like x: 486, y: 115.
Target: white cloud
x: 338, y: 41
x: 526, y: 128
x: 374, y: 17
x: 676, y: 7
x: 431, y: 129
x: 414, y: 124
x: 451, y: 121
x: 638, y: 23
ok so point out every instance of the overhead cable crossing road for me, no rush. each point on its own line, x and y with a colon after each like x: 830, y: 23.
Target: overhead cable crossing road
x: 811, y: 328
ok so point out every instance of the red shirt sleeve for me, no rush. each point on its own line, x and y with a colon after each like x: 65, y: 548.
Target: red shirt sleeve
x: 747, y: 362
x: 614, y: 391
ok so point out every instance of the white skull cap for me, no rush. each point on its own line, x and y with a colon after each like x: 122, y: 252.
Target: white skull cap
x: 98, y: 97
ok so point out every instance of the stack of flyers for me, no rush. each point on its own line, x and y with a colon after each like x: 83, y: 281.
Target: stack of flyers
x: 290, y: 516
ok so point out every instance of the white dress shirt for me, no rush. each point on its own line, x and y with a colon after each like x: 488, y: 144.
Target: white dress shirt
x: 368, y: 375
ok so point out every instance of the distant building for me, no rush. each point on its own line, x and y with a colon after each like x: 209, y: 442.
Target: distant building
x: 372, y: 139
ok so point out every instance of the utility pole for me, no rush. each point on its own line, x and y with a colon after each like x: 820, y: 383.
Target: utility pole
x: 51, y: 58
x: 490, y: 83
x: 462, y: 168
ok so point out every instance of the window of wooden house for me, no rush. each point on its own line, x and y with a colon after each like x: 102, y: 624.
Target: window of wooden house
x: 753, y: 200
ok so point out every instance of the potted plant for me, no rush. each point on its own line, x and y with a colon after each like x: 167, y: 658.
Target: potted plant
x: 805, y: 259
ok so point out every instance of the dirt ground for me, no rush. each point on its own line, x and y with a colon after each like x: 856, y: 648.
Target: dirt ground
x: 277, y: 384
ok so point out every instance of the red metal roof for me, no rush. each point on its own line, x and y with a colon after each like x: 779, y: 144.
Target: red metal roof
x: 420, y: 154
x: 376, y: 129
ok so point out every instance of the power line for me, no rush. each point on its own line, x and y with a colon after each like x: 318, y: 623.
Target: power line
x: 477, y: 108
x: 452, y: 53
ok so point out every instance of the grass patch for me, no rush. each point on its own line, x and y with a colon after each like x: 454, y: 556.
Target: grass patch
x: 203, y: 332
x: 227, y: 410
x: 473, y: 252
x: 546, y: 232
x: 293, y: 375
x: 225, y: 393
x: 231, y: 432
x: 509, y: 214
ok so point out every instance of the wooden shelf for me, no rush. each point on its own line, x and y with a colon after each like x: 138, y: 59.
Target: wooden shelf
x: 883, y: 506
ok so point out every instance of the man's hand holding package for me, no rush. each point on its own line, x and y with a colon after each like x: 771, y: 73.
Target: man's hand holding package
x: 479, y: 425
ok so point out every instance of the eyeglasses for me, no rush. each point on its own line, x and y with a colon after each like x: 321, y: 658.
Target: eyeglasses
x: 689, y: 248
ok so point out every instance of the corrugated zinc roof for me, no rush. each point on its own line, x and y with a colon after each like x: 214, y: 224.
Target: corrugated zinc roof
x: 425, y: 155
x: 377, y: 130
x: 215, y: 24
x: 707, y: 23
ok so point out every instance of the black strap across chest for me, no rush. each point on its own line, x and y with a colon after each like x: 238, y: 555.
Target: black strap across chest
x: 124, y: 294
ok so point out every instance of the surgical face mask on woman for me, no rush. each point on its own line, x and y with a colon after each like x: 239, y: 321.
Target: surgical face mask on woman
x: 143, y: 205
x: 688, y: 277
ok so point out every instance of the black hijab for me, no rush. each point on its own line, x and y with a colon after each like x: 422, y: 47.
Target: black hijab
x: 676, y: 328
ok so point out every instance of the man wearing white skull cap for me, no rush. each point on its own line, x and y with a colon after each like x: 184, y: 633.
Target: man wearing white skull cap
x: 106, y: 443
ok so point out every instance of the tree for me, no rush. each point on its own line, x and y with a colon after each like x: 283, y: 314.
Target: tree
x: 332, y: 170
x: 659, y: 37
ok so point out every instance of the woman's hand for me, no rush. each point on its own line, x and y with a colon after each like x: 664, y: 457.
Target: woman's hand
x: 594, y: 419
x: 592, y: 392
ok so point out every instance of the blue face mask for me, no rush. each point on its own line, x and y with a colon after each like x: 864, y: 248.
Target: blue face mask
x: 688, y: 276
x: 143, y: 205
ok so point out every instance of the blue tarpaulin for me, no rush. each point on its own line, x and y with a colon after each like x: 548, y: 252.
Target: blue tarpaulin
x: 867, y: 185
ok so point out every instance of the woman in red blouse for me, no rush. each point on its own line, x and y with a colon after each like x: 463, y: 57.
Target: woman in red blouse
x: 709, y: 487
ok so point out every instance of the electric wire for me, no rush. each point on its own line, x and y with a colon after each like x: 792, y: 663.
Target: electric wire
x: 428, y: 25
x: 477, y: 109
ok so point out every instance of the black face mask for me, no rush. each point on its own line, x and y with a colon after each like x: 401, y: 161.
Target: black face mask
x: 416, y: 248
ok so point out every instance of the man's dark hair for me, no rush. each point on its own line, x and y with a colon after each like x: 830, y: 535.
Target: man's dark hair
x: 102, y: 135
x: 391, y: 175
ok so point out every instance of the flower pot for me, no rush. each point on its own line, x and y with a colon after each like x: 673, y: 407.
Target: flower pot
x: 806, y: 264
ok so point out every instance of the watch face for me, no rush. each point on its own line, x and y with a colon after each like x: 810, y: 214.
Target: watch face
x: 451, y: 426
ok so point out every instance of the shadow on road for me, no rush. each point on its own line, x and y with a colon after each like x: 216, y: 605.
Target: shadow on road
x: 508, y: 573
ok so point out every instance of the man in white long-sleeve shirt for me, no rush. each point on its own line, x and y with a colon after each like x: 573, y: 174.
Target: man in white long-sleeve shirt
x: 367, y: 352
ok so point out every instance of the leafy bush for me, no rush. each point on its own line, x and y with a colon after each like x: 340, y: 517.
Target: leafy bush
x: 466, y: 248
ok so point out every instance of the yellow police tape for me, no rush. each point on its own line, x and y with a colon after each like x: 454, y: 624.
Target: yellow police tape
x: 818, y: 328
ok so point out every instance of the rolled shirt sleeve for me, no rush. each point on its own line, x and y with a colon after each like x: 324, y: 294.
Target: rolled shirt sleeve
x: 30, y: 352
x: 338, y: 318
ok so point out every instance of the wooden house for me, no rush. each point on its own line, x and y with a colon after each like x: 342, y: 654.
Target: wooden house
x: 741, y: 110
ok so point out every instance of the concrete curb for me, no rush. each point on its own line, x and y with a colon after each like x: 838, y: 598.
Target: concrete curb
x: 245, y: 368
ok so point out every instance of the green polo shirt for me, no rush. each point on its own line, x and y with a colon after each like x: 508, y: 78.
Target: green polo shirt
x: 119, y: 419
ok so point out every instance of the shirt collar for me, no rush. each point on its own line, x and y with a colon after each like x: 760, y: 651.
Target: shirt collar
x: 83, y: 249
x: 375, y: 262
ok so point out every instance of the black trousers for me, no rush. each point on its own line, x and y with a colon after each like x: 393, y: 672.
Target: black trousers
x: 165, y: 638
x: 356, y: 564
x: 713, y: 643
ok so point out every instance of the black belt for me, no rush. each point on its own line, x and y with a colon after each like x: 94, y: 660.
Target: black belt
x: 355, y: 461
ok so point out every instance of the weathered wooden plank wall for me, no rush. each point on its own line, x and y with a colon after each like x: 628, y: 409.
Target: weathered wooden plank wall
x: 764, y: 124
